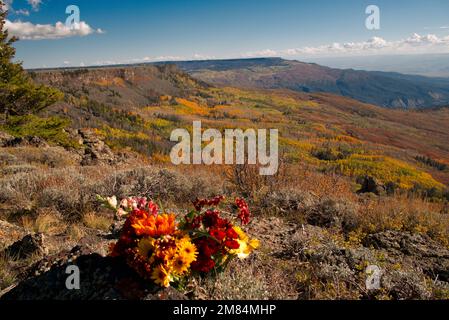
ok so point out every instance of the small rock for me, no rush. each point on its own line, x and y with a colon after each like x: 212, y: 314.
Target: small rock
x: 28, y: 141
x: 9, y: 233
x: 371, y: 185
x: 32, y: 244
x: 5, y: 139
x: 96, y: 151
x: 102, y: 278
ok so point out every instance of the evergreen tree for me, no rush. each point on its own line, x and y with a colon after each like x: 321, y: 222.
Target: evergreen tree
x: 19, y: 95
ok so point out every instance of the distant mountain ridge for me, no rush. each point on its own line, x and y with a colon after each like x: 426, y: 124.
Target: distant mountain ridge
x: 386, y: 89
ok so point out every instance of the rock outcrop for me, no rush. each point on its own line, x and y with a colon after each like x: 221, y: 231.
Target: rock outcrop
x: 423, y: 252
x: 7, y: 140
x: 101, y: 278
x: 406, y: 262
x: 30, y: 245
x: 9, y: 233
x: 96, y: 151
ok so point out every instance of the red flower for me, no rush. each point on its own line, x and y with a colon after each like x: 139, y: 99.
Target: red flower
x: 138, y: 214
x: 207, y: 247
x: 244, y: 213
x: 232, y: 244
x: 211, y: 218
x: 223, y: 223
x: 204, y: 264
x: 196, y: 222
x: 201, y: 203
x: 230, y: 233
x: 218, y: 234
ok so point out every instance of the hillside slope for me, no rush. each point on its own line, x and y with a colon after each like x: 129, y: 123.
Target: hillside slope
x: 391, y: 90
x: 138, y: 107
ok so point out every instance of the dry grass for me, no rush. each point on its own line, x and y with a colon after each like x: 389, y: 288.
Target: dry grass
x: 72, y: 191
x: 97, y: 221
x: 251, y: 279
x: 303, y: 195
x: 47, y: 223
x: 53, y: 157
x: 405, y: 213
x: 7, y: 275
x: 301, y: 178
x: 75, y: 232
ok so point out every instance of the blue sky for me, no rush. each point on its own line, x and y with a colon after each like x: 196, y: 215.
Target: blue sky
x: 134, y: 31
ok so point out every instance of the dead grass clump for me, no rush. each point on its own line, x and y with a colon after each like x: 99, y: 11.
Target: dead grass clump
x: 75, y: 232
x: 18, y: 188
x: 47, y: 223
x: 7, y: 275
x: 72, y: 191
x: 328, y: 213
x: 247, y: 181
x: 97, y: 221
x: 53, y: 157
x: 8, y: 159
x: 163, y: 184
x: 404, y: 213
x: 287, y: 203
x: 15, y: 169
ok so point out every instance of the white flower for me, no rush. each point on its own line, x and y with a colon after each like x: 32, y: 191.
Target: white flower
x: 112, y: 201
x: 124, y: 204
x: 121, y: 212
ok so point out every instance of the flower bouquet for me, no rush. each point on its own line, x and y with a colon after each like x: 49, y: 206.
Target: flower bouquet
x: 165, y: 248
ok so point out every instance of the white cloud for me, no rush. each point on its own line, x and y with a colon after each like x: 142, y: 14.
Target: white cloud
x: 105, y: 63
x: 433, y: 28
x: 30, y: 31
x: 198, y: 56
x: 429, y: 43
x: 35, y: 4
x: 22, y: 12
x: 155, y: 59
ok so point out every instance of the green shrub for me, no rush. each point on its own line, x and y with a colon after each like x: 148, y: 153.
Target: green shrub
x: 51, y: 129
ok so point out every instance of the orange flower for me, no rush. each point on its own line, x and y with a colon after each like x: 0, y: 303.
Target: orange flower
x: 154, y: 226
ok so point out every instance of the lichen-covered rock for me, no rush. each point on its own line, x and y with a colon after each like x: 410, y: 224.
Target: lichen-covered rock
x: 28, y: 141
x: 30, y: 245
x: 5, y: 139
x: 423, y: 252
x: 96, y: 151
x: 412, y: 266
x: 9, y: 233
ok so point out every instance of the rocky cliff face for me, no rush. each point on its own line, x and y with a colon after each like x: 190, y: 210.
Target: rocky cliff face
x: 120, y: 86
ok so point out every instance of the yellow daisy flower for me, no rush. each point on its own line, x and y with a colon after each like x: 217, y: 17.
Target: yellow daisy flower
x: 247, y: 245
x: 161, y: 276
x: 180, y: 264
x: 187, y: 250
